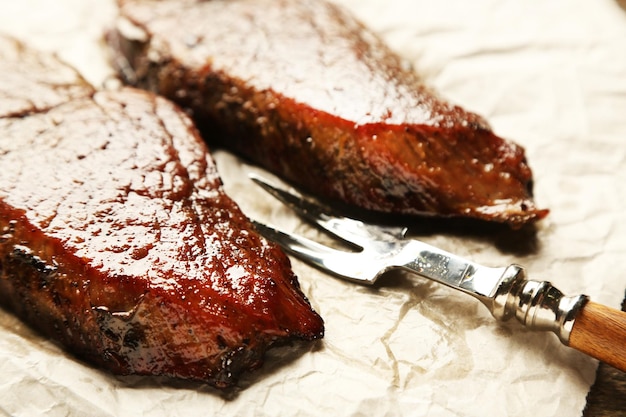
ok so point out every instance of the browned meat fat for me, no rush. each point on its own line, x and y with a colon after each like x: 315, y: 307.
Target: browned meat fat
x: 117, y: 239
x: 305, y: 90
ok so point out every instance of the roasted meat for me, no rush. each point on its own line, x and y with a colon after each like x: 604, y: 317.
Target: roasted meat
x: 305, y: 90
x: 117, y: 239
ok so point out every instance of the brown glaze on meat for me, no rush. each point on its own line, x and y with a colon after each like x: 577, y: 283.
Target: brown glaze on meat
x: 305, y: 90
x: 117, y: 239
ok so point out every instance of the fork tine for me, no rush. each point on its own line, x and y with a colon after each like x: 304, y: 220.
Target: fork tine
x: 327, y: 259
x: 350, y: 230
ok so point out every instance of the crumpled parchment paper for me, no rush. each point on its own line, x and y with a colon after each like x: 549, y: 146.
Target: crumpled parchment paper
x: 548, y: 75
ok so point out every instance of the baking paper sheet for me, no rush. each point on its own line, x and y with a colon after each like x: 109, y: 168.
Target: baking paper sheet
x: 548, y: 75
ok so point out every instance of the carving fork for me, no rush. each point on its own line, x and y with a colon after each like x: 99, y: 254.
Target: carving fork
x: 584, y: 325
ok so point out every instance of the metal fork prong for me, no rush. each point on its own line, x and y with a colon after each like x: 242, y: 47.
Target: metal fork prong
x: 329, y: 260
x: 345, y: 228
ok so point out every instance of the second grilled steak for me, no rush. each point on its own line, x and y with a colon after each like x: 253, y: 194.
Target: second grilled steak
x: 304, y: 89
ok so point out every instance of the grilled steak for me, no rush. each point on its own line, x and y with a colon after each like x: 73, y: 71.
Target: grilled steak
x: 306, y: 91
x: 117, y: 239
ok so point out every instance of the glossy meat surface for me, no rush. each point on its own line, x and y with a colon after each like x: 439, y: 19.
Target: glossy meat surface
x: 117, y: 240
x: 303, y: 89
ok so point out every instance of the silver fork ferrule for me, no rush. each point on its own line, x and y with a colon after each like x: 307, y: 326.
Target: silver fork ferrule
x: 536, y: 304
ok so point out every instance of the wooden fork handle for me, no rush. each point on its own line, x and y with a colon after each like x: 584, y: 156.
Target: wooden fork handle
x: 600, y: 332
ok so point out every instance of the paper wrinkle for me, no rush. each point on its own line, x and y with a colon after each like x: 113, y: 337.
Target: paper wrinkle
x: 548, y: 75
